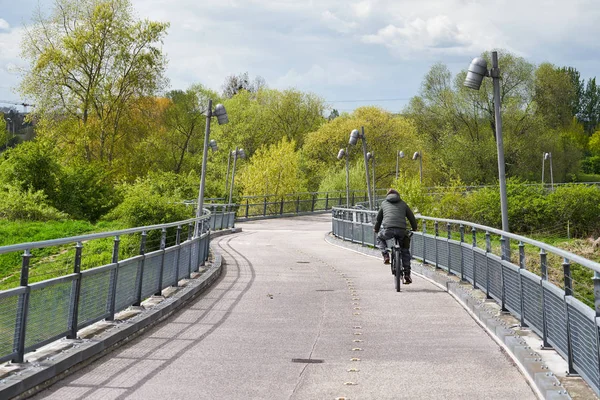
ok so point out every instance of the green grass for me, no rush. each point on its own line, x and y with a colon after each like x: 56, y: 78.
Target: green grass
x: 581, y: 177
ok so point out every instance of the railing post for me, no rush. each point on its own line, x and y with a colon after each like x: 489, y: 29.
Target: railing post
x: 353, y: 199
x: 163, y: 245
x: 569, y: 292
x: 281, y: 207
x: 265, y: 207
x: 544, y: 273
x: 423, y: 241
x: 326, y: 201
x: 474, y: 236
x: 247, y: 207
x: 189, y: 274
x: 76, y: 292
x: 115, y: 277
x: 23, y: 309
x: 488, y: 250
x: 436, y: 233
x: 502, y: 245
x: 522, y: 266
x: 177, y: 243
x: 449, y: 235
x: 340, y: 201
x: 138, y: 297
x: 462, y: 259
x: 297, y: 204
x: 312, y: 209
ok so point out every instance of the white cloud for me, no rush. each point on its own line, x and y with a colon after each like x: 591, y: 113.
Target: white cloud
x: 361, y: 9
x: 4, y: 25
x: 332, y: 21
x: 335, y: 75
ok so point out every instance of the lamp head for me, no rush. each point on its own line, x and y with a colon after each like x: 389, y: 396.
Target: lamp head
x: 370, y: 155
x: 341, y: 154
x: 416, y: 155
x: 547, y: 156
x: 213, y: 145
x: 477, y: 70
x: 354, y: 136
x: 242, y: 153
x: 221, y: 114
x: 401, y: 154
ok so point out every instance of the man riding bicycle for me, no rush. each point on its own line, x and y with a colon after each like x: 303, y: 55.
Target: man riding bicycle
x: 392, y: 217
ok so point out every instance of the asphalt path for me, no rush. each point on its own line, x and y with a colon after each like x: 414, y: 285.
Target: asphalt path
x: 294, y: 317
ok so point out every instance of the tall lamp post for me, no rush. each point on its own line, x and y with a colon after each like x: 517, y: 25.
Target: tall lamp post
x: 399, y: 155
x: 547, y: 156
x: 221, y: 115
x: 371, y: 156
x: 354, y: 136
x: 419, y: 155
x: 343, y: 153
x: 477, y: 71
x: 235, y: 153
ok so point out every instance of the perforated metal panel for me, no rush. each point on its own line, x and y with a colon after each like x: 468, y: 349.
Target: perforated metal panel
x: 49, y: 311
x: 417, y: 250
x: 127, y: 282
x: 584, y: 341
x: 455, y: 256
x: 467, y: 253
x: 495, y: 277
x: 532, y: 301
x: 556, y: 318
x: 195, y: 254
x: 512, y: 289
x: 184, y: 261
x: 9, y: 313
x: 480, y: 268
x: 170, y: 267
x: 429, y: 249
x: 95, y: 296
x: 442, y: 253
x: 151, y: 274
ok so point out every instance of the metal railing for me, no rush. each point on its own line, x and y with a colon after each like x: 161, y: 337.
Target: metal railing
x: 554, y: 292
x: 102, y: 274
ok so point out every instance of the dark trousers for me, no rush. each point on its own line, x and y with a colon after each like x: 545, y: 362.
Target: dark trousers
x: 386, y: 234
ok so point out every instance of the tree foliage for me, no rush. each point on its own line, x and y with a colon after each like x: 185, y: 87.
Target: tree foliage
x: 88, y: 62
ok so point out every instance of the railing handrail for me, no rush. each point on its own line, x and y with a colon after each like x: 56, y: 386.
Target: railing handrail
x: 98, y: 235
x: 563, y: 253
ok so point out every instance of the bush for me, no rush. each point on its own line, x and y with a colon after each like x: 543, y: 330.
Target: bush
x: 577, y: 204
x: 26, y: 205
x: 85, y: 192
x: 591, y: 165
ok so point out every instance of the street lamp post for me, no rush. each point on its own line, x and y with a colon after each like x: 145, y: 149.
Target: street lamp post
x: 371, y: 156
x: 354, y: 136
x: 419, y: 155
x: 547, y: 156
x: 399, y: 155
x: 477, y: 71
x: 221, y: 115
x: 345, y: 154
x: 235, y: 153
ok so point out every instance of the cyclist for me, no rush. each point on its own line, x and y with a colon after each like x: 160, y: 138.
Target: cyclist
x: 392, y: 217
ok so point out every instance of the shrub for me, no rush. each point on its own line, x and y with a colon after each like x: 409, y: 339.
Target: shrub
x: 577, y: 204
x: 591, y: 165
x: 26, y: 205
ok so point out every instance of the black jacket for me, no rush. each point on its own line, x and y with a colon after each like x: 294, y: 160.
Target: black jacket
x: 394, y: 212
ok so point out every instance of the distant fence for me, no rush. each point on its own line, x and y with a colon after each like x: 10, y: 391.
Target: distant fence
x: 102, y: 274
x: 554, y: 292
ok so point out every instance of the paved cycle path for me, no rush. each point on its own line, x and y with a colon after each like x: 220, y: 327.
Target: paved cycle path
x: 287, y: 294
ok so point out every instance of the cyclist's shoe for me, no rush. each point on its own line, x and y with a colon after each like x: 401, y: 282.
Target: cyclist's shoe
x: 386, y: 258
x: 407, y: 279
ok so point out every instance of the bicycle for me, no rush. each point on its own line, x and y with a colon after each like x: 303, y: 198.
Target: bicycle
x: 396, y: 262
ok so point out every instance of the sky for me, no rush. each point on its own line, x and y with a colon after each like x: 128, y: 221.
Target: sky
x: 350, y: 53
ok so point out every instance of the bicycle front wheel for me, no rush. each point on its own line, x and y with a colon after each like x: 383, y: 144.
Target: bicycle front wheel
x: 398, y: 269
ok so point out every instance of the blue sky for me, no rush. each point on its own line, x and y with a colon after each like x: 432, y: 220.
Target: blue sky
x: 351, y: 53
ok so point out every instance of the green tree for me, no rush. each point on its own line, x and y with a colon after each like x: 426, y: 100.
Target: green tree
x: 554, y: 95
x: 274, y: 170
x: 590, y: 109
x: 88, y: 61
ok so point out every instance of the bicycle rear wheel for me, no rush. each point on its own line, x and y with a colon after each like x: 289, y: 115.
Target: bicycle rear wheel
x: 398, y: 268
x: 393, y: 261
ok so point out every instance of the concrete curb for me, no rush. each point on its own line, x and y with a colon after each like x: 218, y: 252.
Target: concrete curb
x: 57, y: 360
x: 543, y: 369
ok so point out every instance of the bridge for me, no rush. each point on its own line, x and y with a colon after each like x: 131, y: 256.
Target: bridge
x: 296, y: 313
